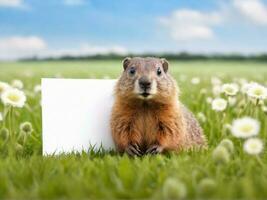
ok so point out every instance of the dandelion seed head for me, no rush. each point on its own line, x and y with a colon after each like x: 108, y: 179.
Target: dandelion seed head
x: 18, y: 148
x: 220, y: 155
x: 228, y: 144
x: 26, y: 127
x: 174, y: 189
x: 201, y: 117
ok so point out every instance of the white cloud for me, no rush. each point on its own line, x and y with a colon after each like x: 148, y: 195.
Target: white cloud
x: 253, y: 10
x: 73, y: 2
x: 186, y: 24
x: 18, y: 47
x: 11, y: 3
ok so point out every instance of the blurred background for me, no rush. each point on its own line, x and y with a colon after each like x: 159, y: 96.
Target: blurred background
x: 185, y: 29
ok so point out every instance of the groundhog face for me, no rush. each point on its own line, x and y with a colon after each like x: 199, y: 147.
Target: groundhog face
x: 145, y: 78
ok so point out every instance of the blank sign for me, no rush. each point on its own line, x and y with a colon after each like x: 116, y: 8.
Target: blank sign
x: 76, y: 114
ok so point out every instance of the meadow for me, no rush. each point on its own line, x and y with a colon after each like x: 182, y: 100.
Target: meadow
x: 226, y: 170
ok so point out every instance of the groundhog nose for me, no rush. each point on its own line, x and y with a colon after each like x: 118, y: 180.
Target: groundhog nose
x: 144, y: 83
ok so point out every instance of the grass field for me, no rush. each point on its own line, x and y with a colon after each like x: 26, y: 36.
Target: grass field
x: 25, y: 174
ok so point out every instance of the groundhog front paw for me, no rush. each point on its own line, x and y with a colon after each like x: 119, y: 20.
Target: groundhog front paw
x: 154, y: 149
x: 134, y: 150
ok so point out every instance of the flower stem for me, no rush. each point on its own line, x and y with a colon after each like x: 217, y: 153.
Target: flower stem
x: 10, y: 121
x: 5, y: 113
x: 259, y: 161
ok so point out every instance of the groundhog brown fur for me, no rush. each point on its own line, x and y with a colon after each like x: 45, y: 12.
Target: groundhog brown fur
x: 147, y: 117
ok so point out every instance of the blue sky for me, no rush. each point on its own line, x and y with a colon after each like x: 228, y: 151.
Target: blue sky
x: 58, y: 27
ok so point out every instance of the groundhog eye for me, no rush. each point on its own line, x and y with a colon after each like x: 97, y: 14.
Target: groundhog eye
x: 158, y: 71
x: 132, y: 71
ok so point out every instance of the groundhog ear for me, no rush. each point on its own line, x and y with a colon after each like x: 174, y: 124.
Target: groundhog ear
x: 165, y: 64
x: 126, y: 62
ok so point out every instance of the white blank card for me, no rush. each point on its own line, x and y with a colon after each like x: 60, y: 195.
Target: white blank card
x: 76, y: 114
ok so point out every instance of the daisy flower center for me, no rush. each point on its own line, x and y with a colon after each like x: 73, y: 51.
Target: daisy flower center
x: 13, y: 97
x: 220, y: 104
x: 247, y: 128
x: 258, y: 92
x: 230, y: 90
x: 253, y: 146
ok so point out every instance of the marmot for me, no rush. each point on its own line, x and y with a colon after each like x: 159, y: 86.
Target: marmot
x: 147, y: 117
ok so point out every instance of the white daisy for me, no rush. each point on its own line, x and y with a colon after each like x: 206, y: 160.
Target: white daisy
x: 253, y: 146
x: 195, y: 80
x: 14, y: 97
x: 245, y: 127
x: 230, y: 89
x: 208, y: 100
x: 216, y: 90
x: 37, y: 88
x: 3, y: 87
x: 219, y: 104
x: 17, y: 84
x: 215, y: 81
x: 257, y: 91
x: 245, y: 87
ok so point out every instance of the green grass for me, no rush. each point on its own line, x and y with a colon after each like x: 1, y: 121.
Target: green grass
x: 25, y: 174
